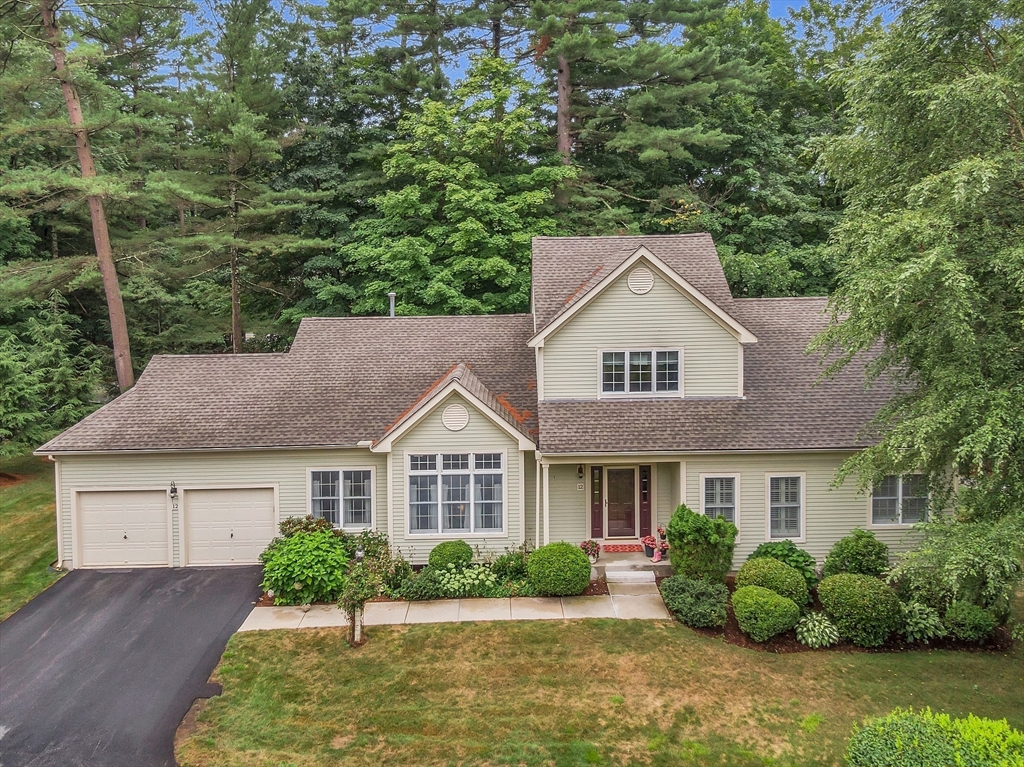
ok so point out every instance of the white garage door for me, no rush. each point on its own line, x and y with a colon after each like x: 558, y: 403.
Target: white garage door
x: 229, y: 527
x: 123, y: 527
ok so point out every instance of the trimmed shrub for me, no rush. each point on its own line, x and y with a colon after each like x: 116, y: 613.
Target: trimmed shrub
x: 762, y: 613
x: 426, y: 584
x: 860, y: 553
x: 787, y: 551
x: 696, y: 603
x: 816, y: 630
x: 921, y: 623
x: 304, y: 568
x: 456, y: 553
x: 700, y: 547
x: 969, y: 623
x: 307, y: 524
x: 865, y: 610
x: 559, y: 570
x: 773, y: 574
x: 511, y: 566
x: 923, y: 739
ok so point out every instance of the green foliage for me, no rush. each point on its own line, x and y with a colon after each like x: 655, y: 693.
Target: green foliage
x: 906, y: 738
x: 696, y: 603
x: 762, y: 614
x: 816, y: 630
x: 969, y: 623
x: 977, y: 562
x: 511, y: 566
x: 308, y: 524
x: 474, y: 581
x: 860, y: 553
x: 305, y: 568
x: 700, y: 547
x: 559, y: 570
x: 921, y: 623
x: 391, y: 570
x: 787, y: 551
x: 458, y: 553
x: 426, y: 584
x: 865, y: 610
x: 776, y: 575
x: 361, y: 585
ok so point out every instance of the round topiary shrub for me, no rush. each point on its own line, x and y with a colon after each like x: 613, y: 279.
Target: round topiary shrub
x: 696, y: 603
x: 700, y: 547
x: 559, y: 570
x: 784, y: 580
x: 762, y: 614
x: 787, y: 551
x: 968, y: 622
x: 923, y: 739
x: 456, y: 553
x: 860, y: 553
x: 865, y: 610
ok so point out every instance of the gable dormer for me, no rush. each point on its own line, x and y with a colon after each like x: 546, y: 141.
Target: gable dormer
x: 635, y: 327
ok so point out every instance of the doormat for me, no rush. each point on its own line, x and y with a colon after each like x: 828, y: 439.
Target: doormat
x: 622, y: 548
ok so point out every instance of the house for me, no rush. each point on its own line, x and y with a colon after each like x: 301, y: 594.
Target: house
x: 637, y: 382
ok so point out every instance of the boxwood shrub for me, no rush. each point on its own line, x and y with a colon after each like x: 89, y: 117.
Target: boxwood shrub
x: 458, y: 553
x: 865, y: 609
x: 860, y: 553
x: 559, y: 570
x: 700, y: 547
x: 784, y: 580
x: 304, y: 568
x: 968, y: 622
x: 696, y: 603
x: 787, y: 551
x: 923, y: 739
x: 762, y: 614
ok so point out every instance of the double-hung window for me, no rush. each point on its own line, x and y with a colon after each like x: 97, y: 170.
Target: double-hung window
x: 343, y: 497
x: 720, y: 497
x: 456, y: 493
x: 785, y: 507
x: 640, y: 372
x: 899, y: 500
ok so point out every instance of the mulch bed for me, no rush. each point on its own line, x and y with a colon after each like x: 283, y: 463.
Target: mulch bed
x: 598, y: 588
x: 6, y: 480
x: 788, y: 643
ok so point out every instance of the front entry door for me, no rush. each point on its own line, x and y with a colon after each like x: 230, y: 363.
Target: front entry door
x: 621, y: 493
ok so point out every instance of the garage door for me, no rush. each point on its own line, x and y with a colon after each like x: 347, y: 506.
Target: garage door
x: 228, y: 527
x: 123, y: 528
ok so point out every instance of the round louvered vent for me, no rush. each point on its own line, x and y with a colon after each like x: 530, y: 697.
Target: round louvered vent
x: 455, y: 417
x: 640, y: 280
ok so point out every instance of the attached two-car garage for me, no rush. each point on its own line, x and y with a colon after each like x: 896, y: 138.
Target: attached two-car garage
x: 138, y: 527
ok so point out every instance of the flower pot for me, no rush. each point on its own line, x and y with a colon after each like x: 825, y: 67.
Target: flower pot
x: 648, y: 550
x: 593, y: 558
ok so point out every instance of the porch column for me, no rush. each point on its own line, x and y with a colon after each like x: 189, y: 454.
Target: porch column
x: 682, y: 482
x: 547, y: 507
x: 537, y: 478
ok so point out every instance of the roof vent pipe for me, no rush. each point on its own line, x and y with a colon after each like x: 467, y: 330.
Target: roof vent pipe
x: 391, y: 298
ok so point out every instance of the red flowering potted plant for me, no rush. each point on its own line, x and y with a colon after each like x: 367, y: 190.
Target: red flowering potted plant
x: 650, y: 544
x: 592, y: 549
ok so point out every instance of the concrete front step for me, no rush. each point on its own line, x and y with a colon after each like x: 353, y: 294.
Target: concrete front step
x: 628, y: 576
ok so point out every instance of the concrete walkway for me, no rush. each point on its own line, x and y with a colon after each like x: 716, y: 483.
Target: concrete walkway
x: 627, y: 601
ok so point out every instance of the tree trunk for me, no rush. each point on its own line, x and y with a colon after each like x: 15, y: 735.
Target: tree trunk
x: 562, y: 112
x: 236, y: 302
x: 100, y: 234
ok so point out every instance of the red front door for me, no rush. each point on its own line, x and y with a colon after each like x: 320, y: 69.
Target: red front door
x: 621, y: 494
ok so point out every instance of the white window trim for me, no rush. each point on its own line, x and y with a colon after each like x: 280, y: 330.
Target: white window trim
x: 653, y: 394
x: 901, y: 525
x: 736, y: 496
x: 341, y: 497
x: 768, y: 505
x: 457, y: 534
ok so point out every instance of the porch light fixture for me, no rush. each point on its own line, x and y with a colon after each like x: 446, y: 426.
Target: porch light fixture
x: 579, y: 470
x: 174, y: 491
x: 360, y: 553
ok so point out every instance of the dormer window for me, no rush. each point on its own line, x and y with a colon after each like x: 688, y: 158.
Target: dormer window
x: 643, y: 371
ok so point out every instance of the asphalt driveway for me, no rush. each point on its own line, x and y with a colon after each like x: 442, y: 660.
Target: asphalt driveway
x: 100, y: 668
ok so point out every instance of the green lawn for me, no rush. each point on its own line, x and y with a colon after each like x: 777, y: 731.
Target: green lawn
x: 28, y: 542
x: 552, y: 693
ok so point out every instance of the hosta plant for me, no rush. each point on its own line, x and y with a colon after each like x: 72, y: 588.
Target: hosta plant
x: 816, y: 630
x: 921, y: 623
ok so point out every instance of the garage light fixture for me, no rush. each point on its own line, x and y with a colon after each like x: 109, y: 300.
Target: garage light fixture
x: 174, y: 491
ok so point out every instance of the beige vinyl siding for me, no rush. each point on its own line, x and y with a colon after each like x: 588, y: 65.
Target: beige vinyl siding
x: 667, y: 492
x: 429, y: 435
x: 569, y: 510
x: 620, y: 319
x: 287, y: 469
x: 829, y: 513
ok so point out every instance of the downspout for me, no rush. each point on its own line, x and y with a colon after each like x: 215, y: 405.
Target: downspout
x: 59, y: 505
